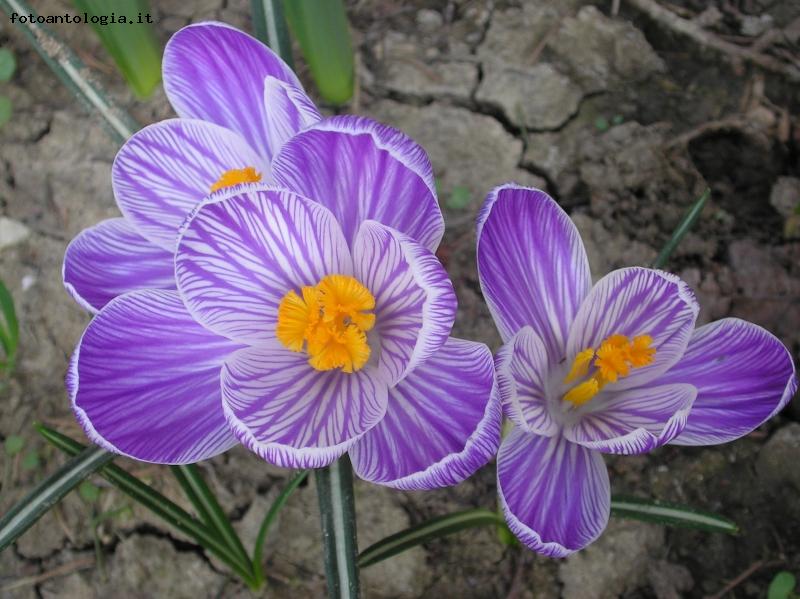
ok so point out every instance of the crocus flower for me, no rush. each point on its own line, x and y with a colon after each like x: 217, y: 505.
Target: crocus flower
x: 238, y: 104
x: 616, y: 368
x: 310, y: 317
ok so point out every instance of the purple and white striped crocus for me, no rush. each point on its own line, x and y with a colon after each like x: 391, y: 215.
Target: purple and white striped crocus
x: 305, y: 315
x: 615, y: 368
x: 238, y: 105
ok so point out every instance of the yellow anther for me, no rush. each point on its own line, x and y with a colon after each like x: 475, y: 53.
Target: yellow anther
x: 580, y: 367
x: 582, y: 393
x: 613, y: 360
x: 235, y: 176
x: 331, y: 320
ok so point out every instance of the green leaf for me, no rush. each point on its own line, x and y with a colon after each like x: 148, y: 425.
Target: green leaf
x: 601, y: 123
x: 258, y: 551
x: 339, y: 546
x: 89, y: 492
x: 31, y: 460
x: 71, y: 71
x: 156, y: 503
x: 13, y: 445
x: 781, y: 586
x: 681, y: 230
x: 49, y: 492
x: 5, y: 110
x: 459, y: 198
x: 8, y: 64
x: 9, y: 325
x: 670, y: 514
x: 617, y: 119
x: 427, y: 531
x: 209, y: 509
x: 269, y: 25
x: 323, y: 33
x: 132, y: 44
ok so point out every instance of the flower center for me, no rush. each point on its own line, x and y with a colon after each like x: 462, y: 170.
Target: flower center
x: 613, y: 360
x: 330, y: 320
x: 235, y: 176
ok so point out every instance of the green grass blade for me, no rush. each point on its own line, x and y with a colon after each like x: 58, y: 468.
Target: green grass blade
x: 269, y: 25
x: 203, y: 498
x: 323, y: 33
x: 9, y: 327
x: 133, y: 44
x: 258, y: 551
x: 681, y: 230
x: 72, y: 72
x: 339, y: 544
x: 426, y: 531
x: 157, y: 503
x: 49, y: 492
x: 670, y: 514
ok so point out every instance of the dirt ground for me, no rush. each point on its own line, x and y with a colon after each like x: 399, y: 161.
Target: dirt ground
x: 621, y: 118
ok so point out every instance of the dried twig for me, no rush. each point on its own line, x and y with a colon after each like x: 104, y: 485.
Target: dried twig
x: 752, y: 569
x: 702, y: 37
x: 62, y: 570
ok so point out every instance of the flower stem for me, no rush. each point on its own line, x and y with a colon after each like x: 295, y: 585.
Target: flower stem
x: 337, y: 510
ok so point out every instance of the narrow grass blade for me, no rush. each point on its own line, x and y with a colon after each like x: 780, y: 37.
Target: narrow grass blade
x: 426, y: 531
x: 156, y: 503
x: 670, y: 514
x: 71, y: 71
x: 258, y: 551
x: 323, y: 33
x: 203, y: 498
x: 681, y: 230
x: 49, y: 492
x: 269, y: 25
x: 132, y: 44
x: 339, y: 545
x: 9, y: 327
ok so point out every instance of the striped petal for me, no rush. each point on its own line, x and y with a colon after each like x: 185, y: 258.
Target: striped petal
x: 288, y: 111
x: 555, y: 495
x: 415, y: 304
x: 144, y: 381
x: 523, y: 372
x: 532, y: 265
x: 110, y: 259
x: 363, y: 170
x: 163, y: 172
x: 243, y: 251
x: 743, y: 374
x: 632, y: 302
x: 442, y: 422
x: 292, y: 415
x: 633, y: 421
x: 216, y: 73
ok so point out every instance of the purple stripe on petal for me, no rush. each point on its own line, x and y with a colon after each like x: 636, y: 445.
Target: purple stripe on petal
x: 288, y: 111
x: 362, y: 170
x: 744, y: 376
x: 442, y: 422
x: 532, y: 265
x: 245, y: 249
x: 216, y: 73
x: 165, y: 170
x: 523, y: 372
x: 633, y: 421
x: 554, y: 494
x: 144, y: 381
x: 415, y: 304
x: 632, y: 302
x: 110, y: 259
x: 292, y: 415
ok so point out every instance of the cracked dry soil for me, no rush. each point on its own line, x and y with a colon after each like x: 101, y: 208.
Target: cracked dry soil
x: 622, y: 121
